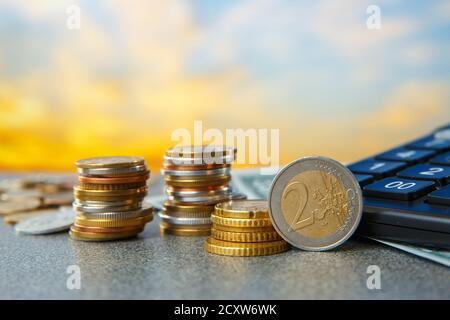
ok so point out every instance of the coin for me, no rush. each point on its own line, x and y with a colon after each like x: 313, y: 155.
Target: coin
x: 196, y: 183
x: 112, y: 223
x: 201, y: 151
x: 241, y: 223
x: 112, y: 171
x: 243, y: 209
x: 315, y: 203
x: 18, y: 217
x: 58, y: 199
x: 115, y: 180
x: 90, y: 236
x: 78, y: 191
x: 167, y: 165
x: 110, y: 162
x: 245, y: 236
x: 175, y: 207
x: 246, y: 229
x: 192, y: 173
x: 120, y: 215
x: 47, y: 224
x: 11, y: 207
x: 238, y: 249
x: 184, y: 220
x: 185, y: 230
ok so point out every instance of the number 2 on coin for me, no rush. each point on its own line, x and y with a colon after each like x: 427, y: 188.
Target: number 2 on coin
x: 301, y: 191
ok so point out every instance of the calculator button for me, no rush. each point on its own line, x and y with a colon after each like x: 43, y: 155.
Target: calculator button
x: 427, y: 172
x: 441, y: 196
x: 402, y: 154
x: 364, y: 179
x: 398, y: 188
x: 431, y: 143
x: 376, y: 168
x: 442, y: 159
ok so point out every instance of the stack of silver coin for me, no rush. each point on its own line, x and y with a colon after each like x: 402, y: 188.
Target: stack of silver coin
x: 196, y: 178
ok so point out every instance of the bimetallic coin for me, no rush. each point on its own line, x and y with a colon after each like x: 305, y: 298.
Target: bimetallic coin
x: 315, y: 203
x: 238, y: 249
x: 184, y: 220
x: 47, y: 224
x: 243, y: 209
x: 245, y: 236
x: 110, y: 162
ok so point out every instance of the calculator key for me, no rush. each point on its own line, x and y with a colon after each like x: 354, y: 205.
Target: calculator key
x: 398, y: 188
x: 363, y: 179
x: 427, y: 171
x: 402, y: 154
x: 430, y: 143
x: 442, y: 159
x: 441, y: 196
x: 376, y: 168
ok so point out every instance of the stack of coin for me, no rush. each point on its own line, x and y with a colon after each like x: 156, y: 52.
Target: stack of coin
x: 243, y: 228
x: 108, y: 198
x: 196, y: 178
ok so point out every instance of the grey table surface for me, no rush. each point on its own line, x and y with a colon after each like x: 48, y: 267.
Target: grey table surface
x: 169, y: 267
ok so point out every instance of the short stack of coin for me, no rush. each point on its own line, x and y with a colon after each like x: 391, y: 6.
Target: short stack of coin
x: 196, y: 178
x: 243, y: 228
x: 108, y: 198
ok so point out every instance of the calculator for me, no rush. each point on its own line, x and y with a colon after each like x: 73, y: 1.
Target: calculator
x: 406, y: 191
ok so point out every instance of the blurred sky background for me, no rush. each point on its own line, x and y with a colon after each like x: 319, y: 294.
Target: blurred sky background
x: 137, y: 70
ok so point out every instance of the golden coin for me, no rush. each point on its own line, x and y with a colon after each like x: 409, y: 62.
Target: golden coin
x: 244, y: 229
x: 238, y: 249
x: 243, y: 209
x: 105, y: 229
x: 194, y: 167
x: 121, y: 186
x: 109, y: 162
x: 89, y: 236
x: 194, y: 183
x: 245, y: 236
x: 164, y: 229
x: 192, y: 215
x: 242, y: 223
x: 171, y: 206
x: 104, y: 199
x: 109, y: 223
x: 78, y: 191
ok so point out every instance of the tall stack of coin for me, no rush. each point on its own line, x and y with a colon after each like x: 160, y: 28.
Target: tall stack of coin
x: 108, y: 198
x: 243, y: 228
x: 197, y: 178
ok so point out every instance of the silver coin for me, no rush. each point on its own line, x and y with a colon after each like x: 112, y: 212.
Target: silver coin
x: 112, y: 171
x: 46, y: 224
x: 102, y: 205
x: 196, y: 173
x: 187, y: 161
x: 120, y: 215
x: 315, y: 203
x: 184, y: 220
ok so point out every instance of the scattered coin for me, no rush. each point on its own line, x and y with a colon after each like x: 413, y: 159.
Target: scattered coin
x: 19, y: 217
x: 10, y: 207
x: 46, y: 224
x: 315, y: 203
